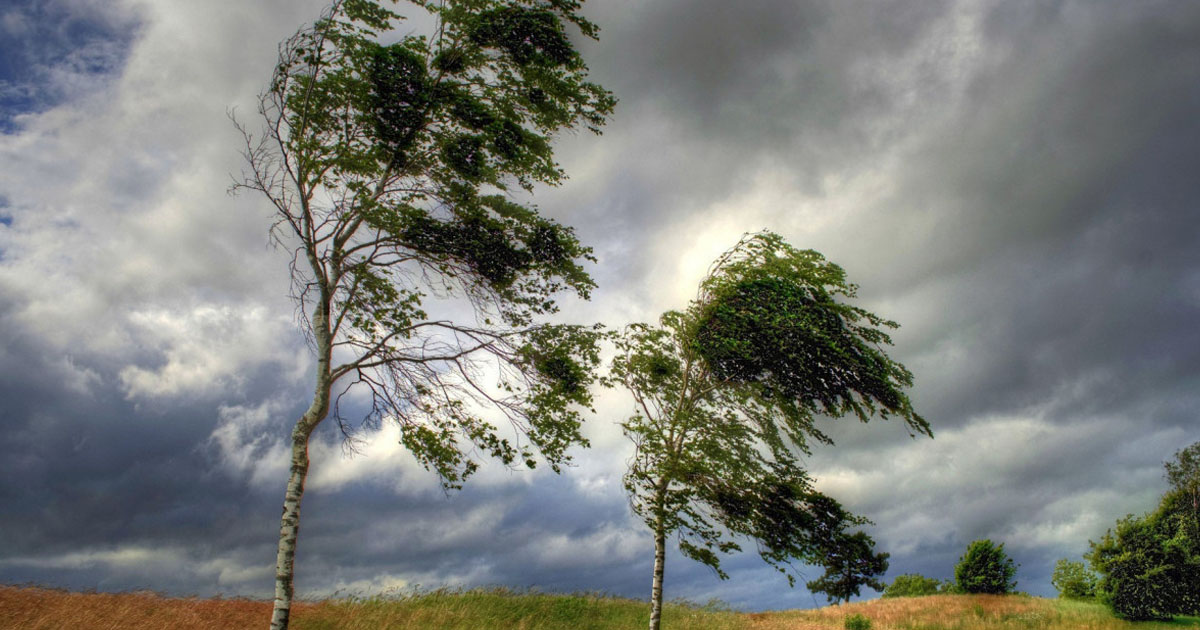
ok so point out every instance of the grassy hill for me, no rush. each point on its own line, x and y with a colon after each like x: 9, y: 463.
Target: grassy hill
x: 27, y: 608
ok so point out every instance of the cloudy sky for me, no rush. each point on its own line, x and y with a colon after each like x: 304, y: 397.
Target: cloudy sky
x: 1014, y: 182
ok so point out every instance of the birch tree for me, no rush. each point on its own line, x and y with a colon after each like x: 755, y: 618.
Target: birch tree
x: 396, y: 172
x: 727, y: 394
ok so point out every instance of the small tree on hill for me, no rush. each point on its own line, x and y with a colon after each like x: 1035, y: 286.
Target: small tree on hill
x: 1073, y: 580
x: 727, y: 391
x: 418, y: 279
x: 985, y: 568
x: 912, y: 585
x: 850, y: 564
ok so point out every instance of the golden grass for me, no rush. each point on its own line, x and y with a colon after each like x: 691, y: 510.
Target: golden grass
x: 31, y: 608
x: 960, y: 612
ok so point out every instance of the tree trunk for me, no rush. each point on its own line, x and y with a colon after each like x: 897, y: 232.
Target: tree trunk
x: 289, y: 529
x: 660, y: 557
x: 289, y: 523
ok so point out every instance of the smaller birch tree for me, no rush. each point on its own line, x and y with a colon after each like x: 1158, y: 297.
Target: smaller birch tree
x: 726, y: 395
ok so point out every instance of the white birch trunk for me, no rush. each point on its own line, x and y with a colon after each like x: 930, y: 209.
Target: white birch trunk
x: 289, y: 529
x: 656, y: 594
x: 289, y: 523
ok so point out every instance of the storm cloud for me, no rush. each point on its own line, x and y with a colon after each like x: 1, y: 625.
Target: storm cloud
x: 1013, y: 182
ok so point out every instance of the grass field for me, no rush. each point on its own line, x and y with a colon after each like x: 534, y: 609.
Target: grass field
x: 29, y: 608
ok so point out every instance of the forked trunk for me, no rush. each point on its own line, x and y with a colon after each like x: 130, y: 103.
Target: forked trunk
x: 289, y: 528
x: 660, y: 557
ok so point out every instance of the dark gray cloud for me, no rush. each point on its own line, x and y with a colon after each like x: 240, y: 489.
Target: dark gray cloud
x: 1012, y: 182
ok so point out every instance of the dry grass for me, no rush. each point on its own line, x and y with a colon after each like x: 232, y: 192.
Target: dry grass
x: 31, y: 608
x: 960, y: 612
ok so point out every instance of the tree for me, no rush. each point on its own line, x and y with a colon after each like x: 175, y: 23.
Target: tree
x: 418, y: 277
x: 850, y: 564
x: 985, y: 568
x: 1183, y: 473
x: 1139, y: 579
x: 729, y: 390
x: 913, y: 585
x: 1149, y: 566
x: 1073, y: 580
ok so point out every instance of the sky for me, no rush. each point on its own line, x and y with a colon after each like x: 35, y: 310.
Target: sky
x: 1013, y: 182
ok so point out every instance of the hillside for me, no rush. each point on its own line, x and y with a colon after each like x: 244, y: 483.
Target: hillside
x: 30, y: 608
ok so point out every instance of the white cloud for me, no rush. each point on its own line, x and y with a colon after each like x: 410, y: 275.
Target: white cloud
x: 249, y: 445
x: 123, y: 558
x: 120, y: 214
x: 206, y: 349
x: 612, y: 543
x: 147, y: 563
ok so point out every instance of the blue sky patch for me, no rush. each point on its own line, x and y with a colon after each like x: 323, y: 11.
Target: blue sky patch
x: 50, y: 51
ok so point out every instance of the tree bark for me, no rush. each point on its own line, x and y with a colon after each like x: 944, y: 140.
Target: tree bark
x: 289, y: 523
x: 656, y: 594
x: 289, y: 529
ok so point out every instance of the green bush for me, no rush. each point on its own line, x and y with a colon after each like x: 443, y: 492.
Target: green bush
x: 1150, y: 565
x: 985, y: 568
x: 912, y: 585
x: 857, y: 622
x: 1073, y: 580
x: 1148, y: 569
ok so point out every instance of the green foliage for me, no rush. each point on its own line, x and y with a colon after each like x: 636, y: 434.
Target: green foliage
x: 1149, y: 566
x: 770, y: 319
x: 1183, y: 473
x: 390, y: 166
x: 716, y: 441
x: 912, y: 585
x: 856, y: 622
x: 850, y: 563
x: 1136, y: 580
x: 1073, y: 580
x: 985, y: 568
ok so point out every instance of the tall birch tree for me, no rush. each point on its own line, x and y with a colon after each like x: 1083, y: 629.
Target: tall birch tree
x: 727, y: 395
x: 396, y: 169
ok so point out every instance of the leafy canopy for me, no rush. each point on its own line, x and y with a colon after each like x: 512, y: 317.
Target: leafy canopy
x: 1073, y: 580
x: 985, y: 568
x: 1183, y: 473
x: 729, y: 390
x: 772, y: 323
x: 396, y: 169
x: 850, y: 563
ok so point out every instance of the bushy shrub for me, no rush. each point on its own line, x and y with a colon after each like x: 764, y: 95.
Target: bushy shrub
x: 912, y: 585
x: 1150, y: 565
x: 985, y: 568
x: 1073, y: 580
x: 1148, y: 569
x: 857, y: 622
